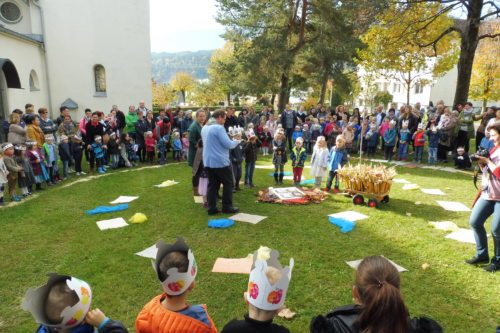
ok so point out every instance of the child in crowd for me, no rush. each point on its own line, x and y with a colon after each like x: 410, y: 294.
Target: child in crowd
x: 113, y: 151
x: 404, y: 139
x: 65, y: 154
x: 62, y: 305
x: 13, y: 170
x: 384, y: 127
x: 297, y: 133
x: 462, y: 159
x: 177, y: 146
x: 433, y: 137
x: 185, y: 145
x: 249, y: 131
x: 348, y: 134
x: 77, y: 149
x: 50, y: 154
x: 26, y: 178
x: 265, y: 295
x: 236, y: 155
x: 265, y: 139
x: 319, y: 161
x: 176, y: 270
x: 162, y: 148
x: 485, y: 142
x: 98, y: 150
x: 37, y: 164
x: 150, y: 146
x: 371, y: 138
x: 306, y: 135
x: 315, y: 131
x: 279, y: 155
x: 3, y: 177
x: 419, y: 142
x: 357, y: 130
x: 250, y: 159
x: 128, y: 151
x: 298, y: 157
x: 390, y: 140
x: 337, y: 159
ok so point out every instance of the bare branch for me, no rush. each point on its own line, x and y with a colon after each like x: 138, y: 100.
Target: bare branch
x: 489, y: 36
x: 444, y: 33
x: 496, y: 12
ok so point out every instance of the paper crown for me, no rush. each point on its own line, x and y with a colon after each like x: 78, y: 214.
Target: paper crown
x: 71, y: 316
x: 233, y: 131
x: 97, y: 138
x: 64, y: 137
x: 421, y: 126
x: 6, y: 146
x: 261, y: 293
x: 175, y: 283
x: 30, y: 142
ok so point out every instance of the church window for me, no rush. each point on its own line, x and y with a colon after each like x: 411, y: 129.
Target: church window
x: 100, y: 79
x: 10, y: 12
x: 34, y: 84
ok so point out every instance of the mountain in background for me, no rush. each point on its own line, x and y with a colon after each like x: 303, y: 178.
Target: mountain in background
x: 165, y: 65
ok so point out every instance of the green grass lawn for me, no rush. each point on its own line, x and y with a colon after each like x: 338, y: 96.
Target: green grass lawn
x: 51, y: 233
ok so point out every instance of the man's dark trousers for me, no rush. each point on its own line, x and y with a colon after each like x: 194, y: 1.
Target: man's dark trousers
x: 216, y: 176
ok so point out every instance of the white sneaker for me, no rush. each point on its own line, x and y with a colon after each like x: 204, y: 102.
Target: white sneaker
x: 83, y: 173
x: 78, y: 174
x: 71, y: 170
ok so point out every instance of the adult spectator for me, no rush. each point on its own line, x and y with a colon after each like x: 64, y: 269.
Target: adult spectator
x: 301, y: 114
x: 121, y: 122
x: 141, y: 127
x: 188, y: 120
x: 67, y: 127
x: 485, y: 117
x: 94, y: 127
x: 242, y: 118
x: 488, y: 204
x: 289, y: 121
x: 446, y: 128
x: 150, y: 121
x: 231, y: 120
x: 84, y: 121
x: 216, y: 147
x: 169, y: 114
x: 33, y: 130
x: 29, y: 109
x: 321, y: 113
x: 142, y: 108
x: 497, y: 117
x: 63, y: 112
x: 130, y: 121
x: 162, y: 127
x: 17, y: 133
x: 179, y: 122
x: 252, y: 117
x: 194, y: 136
x: 379, y: 114
x: 379, y: 305
x: 465, y: 126
x: 272, y: 124
x: 160, y: 116
x: 46, y: 124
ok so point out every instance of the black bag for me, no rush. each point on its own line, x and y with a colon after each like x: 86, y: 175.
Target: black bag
x: 443, y: 136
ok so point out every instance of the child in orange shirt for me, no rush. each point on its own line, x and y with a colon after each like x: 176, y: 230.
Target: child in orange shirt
x: 169, y: 312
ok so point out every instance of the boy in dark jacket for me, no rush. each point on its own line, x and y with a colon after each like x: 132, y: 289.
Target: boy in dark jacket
x: 77, y: 148
x: 236, y: 155
x: 113, y: 151
x: 250, y: 158
x: 65, y: 154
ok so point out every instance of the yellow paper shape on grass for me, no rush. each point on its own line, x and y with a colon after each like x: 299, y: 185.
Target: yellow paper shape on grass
x: 138, y: 218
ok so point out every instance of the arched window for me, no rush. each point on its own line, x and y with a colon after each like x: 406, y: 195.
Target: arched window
x: 100, y: 79
x: 34, y: 85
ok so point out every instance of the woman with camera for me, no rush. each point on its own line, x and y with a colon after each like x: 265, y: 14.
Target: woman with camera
x: 488, y: 204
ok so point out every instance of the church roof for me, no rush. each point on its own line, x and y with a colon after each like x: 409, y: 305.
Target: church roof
x: 70, y: 104
x: 38, y: 39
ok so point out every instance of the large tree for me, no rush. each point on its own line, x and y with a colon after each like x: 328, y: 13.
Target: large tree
x: 465, y: 24
x: 183, y: 82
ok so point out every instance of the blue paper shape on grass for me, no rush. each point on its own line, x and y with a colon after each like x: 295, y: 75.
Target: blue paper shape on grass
x: 286, y: 173
x: 344, y: 225
x: 220, y: 223
x: 107, y: 209
x: 307, y: 182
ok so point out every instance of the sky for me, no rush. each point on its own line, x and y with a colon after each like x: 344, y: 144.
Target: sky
x: 186, y: 25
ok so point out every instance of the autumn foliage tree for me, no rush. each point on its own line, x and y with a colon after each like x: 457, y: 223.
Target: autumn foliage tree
x: 162, y: 93
x: 183, y: 82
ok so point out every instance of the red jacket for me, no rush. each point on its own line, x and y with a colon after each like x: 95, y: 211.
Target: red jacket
x: 419, y: 139
x: 150, y: 144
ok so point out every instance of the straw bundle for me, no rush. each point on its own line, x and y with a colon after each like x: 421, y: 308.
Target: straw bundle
x: 367, y: 178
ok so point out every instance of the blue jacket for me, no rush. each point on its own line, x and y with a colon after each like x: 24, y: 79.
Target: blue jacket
x: 486, y: 143
x: 216, y: 146
x: 98, y: 150
x: 295, y: 135
x: 404, y: 136
x: 433, y: 139
x: 337, y: 158
x: 390, y: 136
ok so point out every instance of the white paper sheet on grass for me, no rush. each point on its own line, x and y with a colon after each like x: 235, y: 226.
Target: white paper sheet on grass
x: 349, y: 215
x: 233, y: 265
x: 167, y: 183
x: 198, y: 199
x: 401, y: 181
x: 150, y: 252
x: 462, y: 235
x: 433, y: 191
x: 249, y: 218
x: 445, y: 225
x: 269, y: 167
x: 448, y: 169
x: 410, y: 186
x: 355, y: 263
x: 453, y: 206
x: 118, y: 222
x: 288, y: 177
x: 123, y: 199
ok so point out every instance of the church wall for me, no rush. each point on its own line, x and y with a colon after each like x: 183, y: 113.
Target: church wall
x: 80, y: 34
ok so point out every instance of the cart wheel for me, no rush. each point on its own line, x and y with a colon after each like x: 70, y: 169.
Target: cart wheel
x: 373, y: 203
x: 358, y: 199
x: 385, y: 199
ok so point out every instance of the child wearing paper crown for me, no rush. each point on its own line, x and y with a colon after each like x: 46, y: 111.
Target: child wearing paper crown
x: 62, y: 305
x: 266, y: 293
x: 169, y: 312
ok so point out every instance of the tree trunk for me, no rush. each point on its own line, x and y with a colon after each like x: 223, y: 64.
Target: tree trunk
x: 468, y: 44
x: 323, y: 88
x: 183, y: 92
x: 408, y: 88
x: 228, y: 98
x: 485, y: 103
x: 273, y: 99
x: 282, y: 98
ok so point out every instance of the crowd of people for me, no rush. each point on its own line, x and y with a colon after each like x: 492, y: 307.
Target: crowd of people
x: 64, y: 303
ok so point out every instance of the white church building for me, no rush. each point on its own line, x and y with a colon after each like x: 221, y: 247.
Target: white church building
x: 78, y: 53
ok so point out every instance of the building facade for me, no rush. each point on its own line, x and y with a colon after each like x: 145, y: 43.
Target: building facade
x: 81, y: 53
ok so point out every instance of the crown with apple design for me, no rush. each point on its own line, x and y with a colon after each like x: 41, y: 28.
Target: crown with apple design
x: 71, y: 316
x: 174, y: 282
x: 261, y: 292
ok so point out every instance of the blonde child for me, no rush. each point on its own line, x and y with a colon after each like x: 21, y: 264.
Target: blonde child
x: 298, y: 157
x: 338, y: 157
x: 279, y: 155
x: 63, y: 305
x: 185, y: 145
x: 265, y: 295
x: 319, y: 161
x: 176, y: 270
x: 150, y: 143
x: 177, y: 146
x: 50, y: 154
